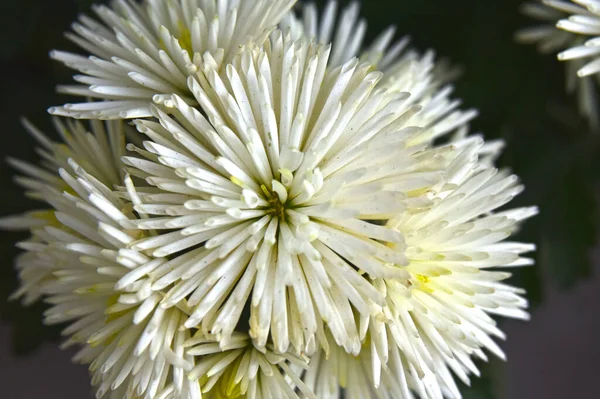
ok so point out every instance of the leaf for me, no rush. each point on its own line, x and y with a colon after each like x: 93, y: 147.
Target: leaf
x: 481, y: 389
x: 570, y: 229
x: 556, y: 163
x: 484, y: 387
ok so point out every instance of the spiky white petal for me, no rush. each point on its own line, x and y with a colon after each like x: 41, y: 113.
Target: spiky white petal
x: 346, y: 32
x: 337, y: 374
x: 143, y: 53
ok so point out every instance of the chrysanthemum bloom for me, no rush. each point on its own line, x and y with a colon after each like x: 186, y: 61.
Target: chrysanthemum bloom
x: 143, y: 53
x: 281, y: 189
x: 79, y: 261
x: 569, y: 42
x: 81, y: 254
x: 404, y: 70
x: 439, y: 318
x: 270, y: 198
x: 238, y: 369
x: 98, y: 147
x: 77, y: 254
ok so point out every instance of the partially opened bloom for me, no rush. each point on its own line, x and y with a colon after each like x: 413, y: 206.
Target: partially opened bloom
x: 143, y: 53
x: 269, y: 199
x: 337, y: 374
x: 238, y: 369
x: 564, y: 28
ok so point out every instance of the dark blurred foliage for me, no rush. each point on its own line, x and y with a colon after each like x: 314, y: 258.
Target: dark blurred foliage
x: 519, y: 93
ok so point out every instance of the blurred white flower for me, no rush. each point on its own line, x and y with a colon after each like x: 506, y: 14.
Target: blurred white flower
x: 546, y: 36
x: 585, y: 23
x: 571, y: 44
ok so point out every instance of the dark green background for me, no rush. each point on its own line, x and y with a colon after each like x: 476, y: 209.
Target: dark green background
x: 519, y: 93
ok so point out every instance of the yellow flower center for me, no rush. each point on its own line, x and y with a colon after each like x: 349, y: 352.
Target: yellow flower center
x: 226, y: 387
x: 184, y: 38
x: 422, y: 279
x: 422, y: 283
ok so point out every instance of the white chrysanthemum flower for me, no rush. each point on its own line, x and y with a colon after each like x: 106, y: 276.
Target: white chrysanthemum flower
x: 404, y: 71
x: 439, y: 318
x: 98, y: 147
x: 134, y: 347
x: 570, y: 44
x: 128, y: 341
x: 285, y: 191
x: 77, y: 254
x: 269, y: 198
x: 454, y: 246
x: 238, y: 369
x: 140, y: 53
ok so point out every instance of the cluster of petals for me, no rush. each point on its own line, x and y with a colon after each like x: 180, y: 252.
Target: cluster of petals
x: 272, y: 209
